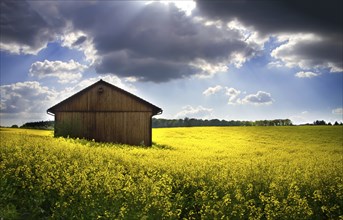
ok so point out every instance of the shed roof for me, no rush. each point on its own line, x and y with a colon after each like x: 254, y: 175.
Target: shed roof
x: 155, y: 110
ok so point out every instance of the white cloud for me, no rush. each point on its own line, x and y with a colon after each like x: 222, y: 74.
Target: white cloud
x: 131, y: 79
x: 212, y: 90
x: 259, y: 98
x: 238, y: 59
x: 216, y: 23
x: 251, y: 37
x: 26, y: 97
x: 195, y: 112
x: 66, y: 72
x: 233, y: 94
x: 286, y: 52
x: 337, y: 111
x: 275, y: 64
x: 248, y: 34
x: 17, y: 48
x: 238, y: 26
x: 208, y: 69
x: 307, y: 74
x: 186, y: 6
x: 307, y: 51
x: 334, y: 68
x: 80, y: 41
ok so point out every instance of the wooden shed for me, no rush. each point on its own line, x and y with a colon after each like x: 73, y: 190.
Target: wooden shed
x: 105, y: 113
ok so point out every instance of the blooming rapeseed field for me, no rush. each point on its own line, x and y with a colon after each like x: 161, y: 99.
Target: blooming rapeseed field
x: 189, y: 173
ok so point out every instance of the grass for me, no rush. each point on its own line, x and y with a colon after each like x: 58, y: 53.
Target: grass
x: 191, y: 173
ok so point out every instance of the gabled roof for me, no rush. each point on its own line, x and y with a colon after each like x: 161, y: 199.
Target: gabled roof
x: 155, y: 110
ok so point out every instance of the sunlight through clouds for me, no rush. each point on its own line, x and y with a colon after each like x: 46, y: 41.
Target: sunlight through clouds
x: 208, y: 69
x: 80, y: 41
x: 185, y: 5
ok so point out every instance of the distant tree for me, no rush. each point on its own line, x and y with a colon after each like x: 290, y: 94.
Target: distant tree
x: 39, y: 125
x: 319, y: 122
x: 330, y: 124
x: 336, y: 123
x: 186, y: 122
x: 287, y: 122
x: 14, y: 126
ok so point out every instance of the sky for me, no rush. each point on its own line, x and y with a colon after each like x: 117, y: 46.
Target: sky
x: 231, y: 60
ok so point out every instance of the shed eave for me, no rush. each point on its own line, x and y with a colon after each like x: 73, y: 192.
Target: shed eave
x: 157, y: 111
x: 49, y: 112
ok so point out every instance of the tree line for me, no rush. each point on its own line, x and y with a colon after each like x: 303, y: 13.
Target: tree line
x: 45, y: 125
x: 192, y: 122
x: 322, y: 122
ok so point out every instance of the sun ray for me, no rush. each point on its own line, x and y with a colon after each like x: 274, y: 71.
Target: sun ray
x: 185, y: 5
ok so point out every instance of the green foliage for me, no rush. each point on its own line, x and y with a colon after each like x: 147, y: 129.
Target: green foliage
x: 45, y: 125
x: 192, y: 122
x: 189, y: 173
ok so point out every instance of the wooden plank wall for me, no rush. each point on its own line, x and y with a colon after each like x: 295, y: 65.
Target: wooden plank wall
x: 120, y: 127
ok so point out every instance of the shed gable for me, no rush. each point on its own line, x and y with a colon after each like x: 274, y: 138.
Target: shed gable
x: 104, y: 97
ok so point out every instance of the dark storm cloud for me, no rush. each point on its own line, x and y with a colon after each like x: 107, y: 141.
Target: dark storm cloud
x: 278, y: 16
x: 322, y: 18
x: 164, y: 32
x: 324, y: 51
x: 153, y: 42
x: 24, y: 27
x: 145, y: 69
